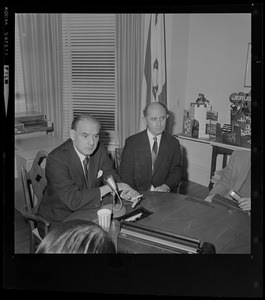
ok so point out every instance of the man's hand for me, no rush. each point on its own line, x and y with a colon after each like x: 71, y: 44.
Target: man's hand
x: 129, y: 195
x: 162, y: 188
x: 209, y: 198
x: 245, y: 204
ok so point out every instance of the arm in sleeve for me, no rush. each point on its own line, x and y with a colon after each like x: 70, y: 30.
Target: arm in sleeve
x: 62, y: 182
x: 222, y: 186
x: 175, y: 171
x: 127, y: 165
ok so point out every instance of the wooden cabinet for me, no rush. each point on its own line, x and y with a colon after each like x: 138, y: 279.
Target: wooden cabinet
x: 200, y: 157
x: 196, y: 159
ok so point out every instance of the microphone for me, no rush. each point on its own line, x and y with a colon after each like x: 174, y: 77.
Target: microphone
x: 113, y: 185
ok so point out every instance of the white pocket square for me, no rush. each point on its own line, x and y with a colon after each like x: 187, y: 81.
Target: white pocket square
x: 100, y: 173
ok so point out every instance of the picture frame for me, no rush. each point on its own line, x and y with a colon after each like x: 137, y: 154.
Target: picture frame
x: 247, y: 81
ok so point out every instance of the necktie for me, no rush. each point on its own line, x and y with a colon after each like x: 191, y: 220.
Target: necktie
x: 154, y: 152
x: 86, y: 166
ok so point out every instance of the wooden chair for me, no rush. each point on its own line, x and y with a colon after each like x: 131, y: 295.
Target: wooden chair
x: 215, y: 174
x: 34, y: 184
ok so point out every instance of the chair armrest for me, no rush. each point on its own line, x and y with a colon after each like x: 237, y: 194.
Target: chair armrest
x: 36, y: 218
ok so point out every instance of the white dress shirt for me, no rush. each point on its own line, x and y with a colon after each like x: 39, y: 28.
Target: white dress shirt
x: 81, y: 157
x: 151, y: 142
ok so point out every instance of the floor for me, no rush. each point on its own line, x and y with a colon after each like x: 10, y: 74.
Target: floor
x: 21, y: 226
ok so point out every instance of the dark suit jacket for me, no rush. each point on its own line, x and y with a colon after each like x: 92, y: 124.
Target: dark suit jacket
x: 67, y: 189
x: 136, y: 162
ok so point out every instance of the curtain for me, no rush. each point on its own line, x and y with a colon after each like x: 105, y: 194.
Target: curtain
x: 41, y: 51
x: 130, y: 43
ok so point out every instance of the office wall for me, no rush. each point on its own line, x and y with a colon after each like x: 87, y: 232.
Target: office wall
x: 177, y: 45
x: 206, y: 53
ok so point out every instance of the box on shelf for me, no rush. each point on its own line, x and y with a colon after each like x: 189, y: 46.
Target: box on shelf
x: 240, y: 113
x: 233, y: 137
x: 199, y: 113
x: 200, y: 121
x: 187, y: 123
x: 211, y: 129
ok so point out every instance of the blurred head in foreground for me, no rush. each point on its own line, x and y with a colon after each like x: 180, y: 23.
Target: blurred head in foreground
x: 77, y: 236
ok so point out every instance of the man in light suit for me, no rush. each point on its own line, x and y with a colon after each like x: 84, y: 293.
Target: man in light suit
x: 137, y: 168
x: 235, y: 176
x: 69, y: 188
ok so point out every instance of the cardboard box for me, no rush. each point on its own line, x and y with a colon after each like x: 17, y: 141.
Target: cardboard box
x: 199, y: 113
x: 187, y: 123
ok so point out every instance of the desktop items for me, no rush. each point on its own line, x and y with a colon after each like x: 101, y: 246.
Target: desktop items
x: 235, y: 195
x: 104, y: 218
x: 135, y: 215
x: 138, y: 238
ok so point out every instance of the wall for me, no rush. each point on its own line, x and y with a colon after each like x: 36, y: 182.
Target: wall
x: 177, y: 39
x: 206, y: 53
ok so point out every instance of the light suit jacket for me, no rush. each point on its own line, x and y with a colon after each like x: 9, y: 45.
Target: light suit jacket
x: 234, y: 174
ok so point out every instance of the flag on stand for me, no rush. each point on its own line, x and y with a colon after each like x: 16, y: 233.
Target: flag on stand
x: 154, y: 87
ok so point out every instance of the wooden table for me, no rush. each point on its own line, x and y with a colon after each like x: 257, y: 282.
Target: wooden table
x: 221, y: 223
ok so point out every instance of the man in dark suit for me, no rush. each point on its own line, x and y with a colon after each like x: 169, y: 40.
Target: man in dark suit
x: 71, y: 185
x: 146, y: 169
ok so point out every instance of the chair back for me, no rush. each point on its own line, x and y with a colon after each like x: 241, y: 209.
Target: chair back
x: 215, y: 152
x: 117, y: 159
x: 34, y: 184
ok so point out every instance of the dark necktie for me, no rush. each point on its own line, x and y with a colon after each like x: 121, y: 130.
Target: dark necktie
x: 154, y: 153
x: 86, y: 166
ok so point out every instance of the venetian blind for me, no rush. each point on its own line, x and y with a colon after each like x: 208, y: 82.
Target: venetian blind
x: 89, y: 70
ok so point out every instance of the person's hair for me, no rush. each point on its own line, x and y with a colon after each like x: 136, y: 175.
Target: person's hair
x: 79, y: 118
x: 145, y: 111
x: 77, y: 236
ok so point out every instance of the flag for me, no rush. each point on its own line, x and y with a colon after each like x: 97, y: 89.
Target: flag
x: 154, y: 88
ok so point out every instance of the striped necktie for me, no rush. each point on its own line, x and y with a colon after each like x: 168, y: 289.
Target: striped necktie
x: 86, y: 166
x: 154, y: 153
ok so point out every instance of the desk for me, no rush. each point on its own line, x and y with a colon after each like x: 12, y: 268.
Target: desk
x: 220, y: 223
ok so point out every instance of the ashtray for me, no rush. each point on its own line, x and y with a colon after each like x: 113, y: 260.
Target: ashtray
x: 135, y: 215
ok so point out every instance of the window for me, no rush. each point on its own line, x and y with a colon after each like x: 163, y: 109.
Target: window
x: 89, y: 71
